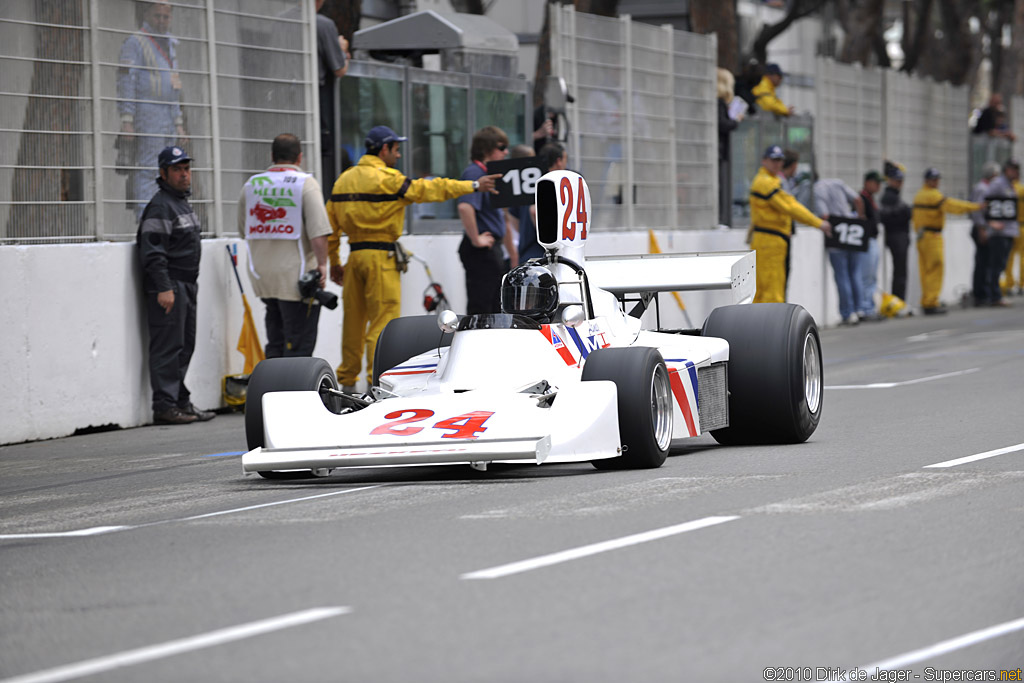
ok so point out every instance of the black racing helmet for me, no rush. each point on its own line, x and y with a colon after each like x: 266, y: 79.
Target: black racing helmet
x: 530, y: 290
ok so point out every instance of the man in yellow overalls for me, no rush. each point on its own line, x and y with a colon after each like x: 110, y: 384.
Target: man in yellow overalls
x: 772, y: 211
x: 930, y: 207
x: 368, y: 205
x: 1017, y: 251
x: 764, y: 92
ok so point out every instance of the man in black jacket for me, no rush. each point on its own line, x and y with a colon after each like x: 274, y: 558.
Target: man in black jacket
x: 895, y: 215
x: 169, y: 249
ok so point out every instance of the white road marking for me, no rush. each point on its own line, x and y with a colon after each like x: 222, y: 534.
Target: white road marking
x: 593, y: 549
x: 890, y: 385
x: 94, y: 531
x: 978, y: 456
x: 91, y: 667
x: 945, y: 646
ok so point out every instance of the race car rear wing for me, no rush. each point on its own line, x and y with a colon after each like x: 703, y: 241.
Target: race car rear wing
x: 652, y: 273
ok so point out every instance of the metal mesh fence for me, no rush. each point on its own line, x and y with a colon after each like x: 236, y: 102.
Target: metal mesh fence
x: 849, y: 121
x: 94, y: 89
x: 643, y: 126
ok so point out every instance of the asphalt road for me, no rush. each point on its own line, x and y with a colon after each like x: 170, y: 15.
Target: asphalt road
x: 145, y: 555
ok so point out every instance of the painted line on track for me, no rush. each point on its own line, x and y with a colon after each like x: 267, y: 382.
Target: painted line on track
x: 890, y: 385
x: 91, y: 667
x: 978, y: 456
x: 222, y: 455
x: 945, y: 646
x: 594, y: 549
x: 96, y: 531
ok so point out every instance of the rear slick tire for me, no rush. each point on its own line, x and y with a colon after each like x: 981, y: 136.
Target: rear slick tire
x: 776, y: 383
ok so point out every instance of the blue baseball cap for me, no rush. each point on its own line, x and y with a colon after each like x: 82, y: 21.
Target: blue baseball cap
x: 773, y: 69
x: 169, y: 156
x: 382, y: 135
x: 931, y: 173
x: 773, y: 152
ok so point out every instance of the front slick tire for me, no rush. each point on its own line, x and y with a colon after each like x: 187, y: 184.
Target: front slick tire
x: 284, y: 374
x: 776, y: 385
x: 644, y: 404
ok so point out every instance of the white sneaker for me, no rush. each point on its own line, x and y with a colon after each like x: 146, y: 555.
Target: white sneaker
x: 851, y: 319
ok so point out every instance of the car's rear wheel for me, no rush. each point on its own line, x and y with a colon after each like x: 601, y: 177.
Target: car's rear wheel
x: 644, y: 404
x: 285, y: 374
x: 403, y: 338
x: 776, y: 384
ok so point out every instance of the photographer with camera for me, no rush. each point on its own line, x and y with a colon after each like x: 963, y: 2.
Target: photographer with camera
x: 282, y: 218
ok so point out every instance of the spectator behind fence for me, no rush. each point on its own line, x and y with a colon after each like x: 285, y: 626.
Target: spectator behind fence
x: 282, y: 219
x: 149, y: 101
x: 930, y: 207
x: 368, y: 204
x: 169, y: 248
x: 332, y: 63
x: 895, y: 215
x: 764, y: 92
x: 726, y: 125
x: 797, y: 184
x: 993, y: 120
x: 981, y: 231
x: 1001, y: 236
x: 1008, y: 284
x: 772, y: 211
x: 840, y: 201
x: 480, y: 250
x: 866, y: 309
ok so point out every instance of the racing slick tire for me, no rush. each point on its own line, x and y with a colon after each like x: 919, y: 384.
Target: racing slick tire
x: 403, y: 338
x: 776, y: 385
x: 644, y: 404
x: 285, y: 374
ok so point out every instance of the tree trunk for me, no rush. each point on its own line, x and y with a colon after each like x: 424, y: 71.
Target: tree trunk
x: 956, y: 64
x: 60, y: 78
x: 346, y: 15
x: 719, y: 18
x: 917, y: 42
x: 798, y: 9
x: 1011, y: 75
x: 604, y: 8
x: 863, y: 27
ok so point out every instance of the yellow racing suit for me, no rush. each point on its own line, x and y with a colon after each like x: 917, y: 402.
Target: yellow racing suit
x: 1017, y: 251
x: 930, y: 207
x: 368, y: 204
x: 771, y: 211
x: 764, y: 95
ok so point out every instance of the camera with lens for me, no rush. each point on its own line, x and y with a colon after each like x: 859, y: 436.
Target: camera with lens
x: 309, y: 288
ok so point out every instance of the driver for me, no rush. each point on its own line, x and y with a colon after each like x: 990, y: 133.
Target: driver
x: 530, y: 290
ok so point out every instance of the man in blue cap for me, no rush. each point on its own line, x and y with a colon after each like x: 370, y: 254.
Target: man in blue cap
x: 764, y: 92
x: 169, y: 249
x: 367, y: 204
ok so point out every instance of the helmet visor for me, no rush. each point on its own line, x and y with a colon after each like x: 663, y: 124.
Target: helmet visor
x: 528, y: 299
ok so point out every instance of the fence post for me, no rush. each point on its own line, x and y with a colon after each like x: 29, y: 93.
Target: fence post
x: 627, y: 90
x: 215, y: 158
x: 673, y: 195
x: 97, y: 120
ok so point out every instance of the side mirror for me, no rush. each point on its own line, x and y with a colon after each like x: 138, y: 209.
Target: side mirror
x: 573, y: 316
x: 447, y: 320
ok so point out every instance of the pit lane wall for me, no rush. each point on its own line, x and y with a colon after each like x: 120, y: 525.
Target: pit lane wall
x: 73, y: 323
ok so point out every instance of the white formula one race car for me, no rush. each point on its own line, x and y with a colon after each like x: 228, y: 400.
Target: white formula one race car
x: 564, y: 374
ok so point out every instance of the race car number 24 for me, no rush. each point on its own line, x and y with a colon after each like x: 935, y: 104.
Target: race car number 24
x: 465, y: 426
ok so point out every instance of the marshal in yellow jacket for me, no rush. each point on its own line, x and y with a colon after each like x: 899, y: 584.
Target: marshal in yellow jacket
x: 764, y: 95
x: 930, y: 207
x: 929, y: 217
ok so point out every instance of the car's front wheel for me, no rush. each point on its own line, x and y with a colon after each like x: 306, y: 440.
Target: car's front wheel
x: 644, y: 404
x: 285, y: 374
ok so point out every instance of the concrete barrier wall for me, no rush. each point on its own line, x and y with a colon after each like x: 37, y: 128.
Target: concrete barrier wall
x: 72, y: 320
